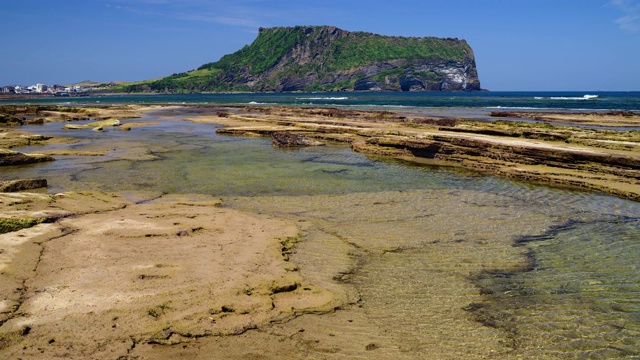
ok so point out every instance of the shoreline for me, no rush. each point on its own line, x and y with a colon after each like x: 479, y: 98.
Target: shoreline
x: 558, y: 153
x: 138, y: 274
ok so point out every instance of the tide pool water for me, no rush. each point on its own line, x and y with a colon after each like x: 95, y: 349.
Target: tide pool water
x: 450, y: 263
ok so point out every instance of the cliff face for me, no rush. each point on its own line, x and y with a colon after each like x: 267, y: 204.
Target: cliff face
x: 323, y: 58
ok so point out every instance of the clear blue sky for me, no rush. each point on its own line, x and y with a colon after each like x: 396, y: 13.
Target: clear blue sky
x: 519, y: 44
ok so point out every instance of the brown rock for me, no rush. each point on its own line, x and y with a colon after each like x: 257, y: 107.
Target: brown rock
x: 287, y: 139
x: 22, y: 184
x: 8, y: 157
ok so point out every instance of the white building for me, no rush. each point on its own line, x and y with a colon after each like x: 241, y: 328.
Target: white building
x: 40, y: 88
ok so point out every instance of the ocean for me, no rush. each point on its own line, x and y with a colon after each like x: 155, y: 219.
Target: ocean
x: 475, y: 102
x: 464, y: 264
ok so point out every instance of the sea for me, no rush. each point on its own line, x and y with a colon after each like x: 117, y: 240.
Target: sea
x: 449, y: 263
x: 476, y: 101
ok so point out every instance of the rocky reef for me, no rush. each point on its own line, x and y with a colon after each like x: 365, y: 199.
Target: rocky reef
x: 599, y: 160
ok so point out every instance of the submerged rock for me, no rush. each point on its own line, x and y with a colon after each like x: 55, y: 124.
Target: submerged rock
x: 93, y: 125
x: 287, y: 139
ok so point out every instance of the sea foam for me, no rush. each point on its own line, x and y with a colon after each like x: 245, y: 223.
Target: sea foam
x: 584, y: 97
x: 323, y: 98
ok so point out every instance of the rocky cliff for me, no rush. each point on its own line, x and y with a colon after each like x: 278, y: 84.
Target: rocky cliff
x: 324, y: 58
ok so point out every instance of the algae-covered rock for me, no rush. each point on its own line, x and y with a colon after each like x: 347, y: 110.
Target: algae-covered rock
x: 10, y: 225
x: 8, y: 157
x: 287, y: 139
x: 9, y: 119
x: 22, y: 184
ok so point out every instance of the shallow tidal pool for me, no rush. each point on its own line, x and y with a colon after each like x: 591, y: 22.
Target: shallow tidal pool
x: 448, y: 263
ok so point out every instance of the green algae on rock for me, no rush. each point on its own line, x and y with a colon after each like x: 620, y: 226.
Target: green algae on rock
x: 8, y: 158
x: 22, y: 184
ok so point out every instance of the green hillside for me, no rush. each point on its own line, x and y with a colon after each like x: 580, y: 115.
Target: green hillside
x: 326, y: 58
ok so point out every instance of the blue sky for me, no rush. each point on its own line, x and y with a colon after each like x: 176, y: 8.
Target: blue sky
x: 519, y: 44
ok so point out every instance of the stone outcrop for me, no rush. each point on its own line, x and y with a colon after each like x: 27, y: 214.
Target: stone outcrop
x: 123, y: 274
x: 395, y: 73
x: 326, y: 58
x: 8, y: 157
x: 597, y: 160
x: 286, y: 139
x: 22, y: 184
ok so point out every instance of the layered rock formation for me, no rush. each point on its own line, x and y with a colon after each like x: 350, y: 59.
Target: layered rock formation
x: 325, y: 58
x: 597, y: 160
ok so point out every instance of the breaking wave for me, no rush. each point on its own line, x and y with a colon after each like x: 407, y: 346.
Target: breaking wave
x: 512, y: 107
x: 584, y: 97
x: 323, y: 98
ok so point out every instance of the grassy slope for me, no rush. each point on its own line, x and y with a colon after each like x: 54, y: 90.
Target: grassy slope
x: 353, y: 50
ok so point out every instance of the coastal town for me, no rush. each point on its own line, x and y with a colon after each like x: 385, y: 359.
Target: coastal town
x: 55, y: 90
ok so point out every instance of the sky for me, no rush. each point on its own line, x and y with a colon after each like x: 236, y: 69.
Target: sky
x: 520, y: 45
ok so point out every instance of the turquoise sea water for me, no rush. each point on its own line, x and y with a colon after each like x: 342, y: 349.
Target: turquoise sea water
x: 480, y: 101
x: 574, y: 294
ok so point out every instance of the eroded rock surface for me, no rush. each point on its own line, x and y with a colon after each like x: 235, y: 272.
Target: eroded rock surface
x: 600, y: 160
x: 109, y: 274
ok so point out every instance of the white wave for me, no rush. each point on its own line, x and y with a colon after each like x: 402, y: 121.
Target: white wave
x: 379, y: 105
x: 584, y: 97
x: 512, y: 107
x: 552, y: 109
x: 323, y: 98
x: 256, y: 103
